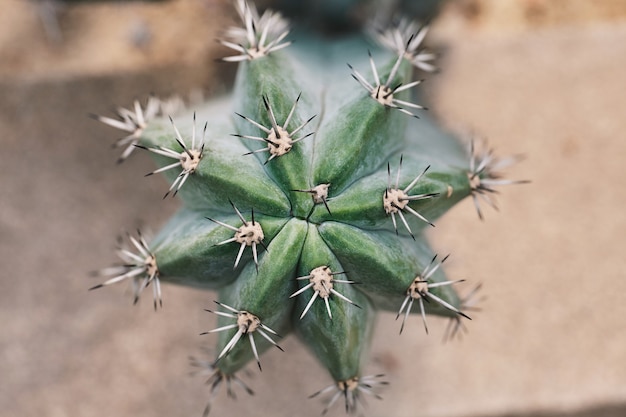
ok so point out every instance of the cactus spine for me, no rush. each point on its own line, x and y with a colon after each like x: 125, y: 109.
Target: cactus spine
x: 305, y: 197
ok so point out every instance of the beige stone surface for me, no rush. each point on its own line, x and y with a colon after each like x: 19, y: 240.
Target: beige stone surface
x: 552, y: 260
x: 549, y: 340
x: 48, y: 38
x: 523, y: 15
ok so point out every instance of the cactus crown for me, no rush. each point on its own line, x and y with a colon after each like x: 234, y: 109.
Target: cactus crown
x: 317, y: 202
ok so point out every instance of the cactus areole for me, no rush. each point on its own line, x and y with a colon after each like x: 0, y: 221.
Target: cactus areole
x: 304, y: 198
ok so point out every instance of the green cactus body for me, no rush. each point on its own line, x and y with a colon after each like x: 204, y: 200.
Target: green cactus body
x: 305, y: 195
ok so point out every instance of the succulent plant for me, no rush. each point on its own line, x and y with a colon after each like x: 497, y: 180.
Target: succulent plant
x: 305, y: 196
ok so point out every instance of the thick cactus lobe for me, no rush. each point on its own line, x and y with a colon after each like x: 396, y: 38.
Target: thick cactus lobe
x: 360, y: 205
x: 386, y: 276
x: 267, y: 94
x: 224, y: 174
x: 188, y: 253
x: 337, y: 325
x: 264, y: 294
x: 358, y: 138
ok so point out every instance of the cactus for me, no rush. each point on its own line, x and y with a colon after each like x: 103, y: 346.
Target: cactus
x: 305, y: 197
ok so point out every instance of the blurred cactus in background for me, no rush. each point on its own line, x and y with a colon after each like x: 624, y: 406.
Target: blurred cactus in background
x: 305, y: 195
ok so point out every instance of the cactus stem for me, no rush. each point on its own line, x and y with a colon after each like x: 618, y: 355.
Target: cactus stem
x: 188, y: 159
x: 483, y: 175
x: 351, y: 389
x: 279, y: 141
x: 384, y: 93
x: 319, y: 194
x: 217, y: 378
x: 321, y: 280
x: 395, y: 200
x: 262, y: 34
x: 249, y: 234
x: 246, y: 324
x: 419, y: 290
x: 131, y: 121
x: 140, y: 267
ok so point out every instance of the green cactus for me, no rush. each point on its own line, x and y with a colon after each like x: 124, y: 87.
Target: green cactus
x: 305, y: 196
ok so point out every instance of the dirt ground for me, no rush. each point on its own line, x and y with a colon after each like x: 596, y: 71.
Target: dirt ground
x: 538, y: 77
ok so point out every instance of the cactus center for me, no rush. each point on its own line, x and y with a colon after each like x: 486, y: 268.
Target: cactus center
x: 320, y: 193
x: 322, y: 281
x: 190, y: 159
x: 249, y: 233
x: 348, y: 385
x: 383, y: 95
x: 280, y: 141
x: 418, y: 288
x: 247, y: 322
x: 394, y: 200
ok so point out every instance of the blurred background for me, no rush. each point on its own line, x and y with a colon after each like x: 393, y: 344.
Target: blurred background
x: 544, y: 78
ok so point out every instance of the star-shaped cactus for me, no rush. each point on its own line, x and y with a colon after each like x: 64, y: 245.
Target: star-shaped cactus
x: 314, y: 213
